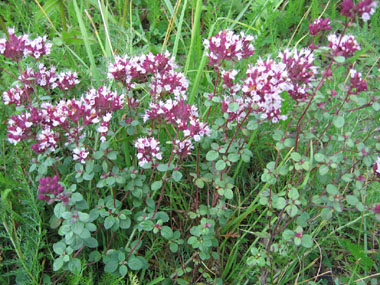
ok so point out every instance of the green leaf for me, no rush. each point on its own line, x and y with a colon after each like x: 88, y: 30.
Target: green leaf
x: 98, y: 154
x: 293, y: 194
x: 331, y: 189
x: 233, y: 107
x: 85, y: 234
x: 146, y: 225
x: 319, y: 157
x: 135, y: 263
x: 112, y: 155
x: 228, y: 193
x: 167, y: 232
x: 338, y: 121
x: 111, y: 266
x: 212, y: 155
x: 104, y: 145
x: 173, y: 247
x: 233, y: 157
x: 58, y: 263
x: 292, y: 210
x: 323, y: 170
x: 74, y: 265
x: 339, y: 59
x: 125, y: 224
x: 220, y: 165
x: 94, y: 256
x: 177, y: 176
x: 295, y: 156
x: 59, y: 248
x: 83, y: 217
x: 156, y: 185
x: 279, y: 203
x: 109, y: 222
x: 91, y: 242
x: 307, y: 241
x: 199, y: 182
x: 123, y: 270
x: 162, y: 167
x: 252, y: 125
x: 88, y: 176
x: 77, y: 227
x: 326, y: 214
x: 59, y: 209
x: 352, y: 200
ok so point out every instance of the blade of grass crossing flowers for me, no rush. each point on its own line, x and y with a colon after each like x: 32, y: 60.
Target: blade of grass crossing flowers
x: 104, y: 13
x: 86, y: 40
x: 96, y: 33
x: 204, y: 59
x: 194, y: 35
x: 171, y: 23
x: 179, y: 30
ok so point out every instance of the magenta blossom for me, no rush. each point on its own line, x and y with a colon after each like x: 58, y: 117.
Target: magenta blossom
x: 226, y: 45
x: 50, y: 190
x: 318, y: 26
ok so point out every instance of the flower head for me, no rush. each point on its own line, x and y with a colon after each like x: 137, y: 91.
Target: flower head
x: 343, y: 46
x: 319, y: 25
x: 50, y: 190
x: 226, y: 45
x: 301, y: 72
x: 148, y: 150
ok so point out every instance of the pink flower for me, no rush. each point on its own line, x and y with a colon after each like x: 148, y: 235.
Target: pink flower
x: 38, y: 47
x: 80, y: 154
x: 264, y: 83
x: 226, y: 45
x: 66, y: 80
x: 148, y: 150
x: 376, y: 209
x: 15, y: 46
x: 376, y: 167
x: 366, y: 9
x: 345, y: 46
x: 15, y: 96
x: 357, y: 83
x: 301, y: 72
x: 318, y: 26
x: 50, y: 190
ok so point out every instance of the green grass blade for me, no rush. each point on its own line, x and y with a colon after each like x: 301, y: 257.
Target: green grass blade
x: 86, y: 41
x: 179, y: 30
x: 194, y: 34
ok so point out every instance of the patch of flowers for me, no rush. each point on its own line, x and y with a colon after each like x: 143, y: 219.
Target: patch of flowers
x: 109, y: 157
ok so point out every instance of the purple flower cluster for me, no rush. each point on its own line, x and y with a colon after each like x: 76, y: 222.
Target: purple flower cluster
x: 226, y: 45
x: 264, y: 83
x: 156, y: 71
x: 238, y: 114
x: 148, y: 150
x: 364, y: 9
x: 228, y: 78
x: 376, y: 168
x: 318, y: 26
x: 17, y: 96
x: 48, y: 79
x: 15, y: 47
x: 343, y: 46
x: 180, y: 115
x: 301, y: 72
x: 50, y: 190
x: 358, y: 84
x: 64, y: 121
